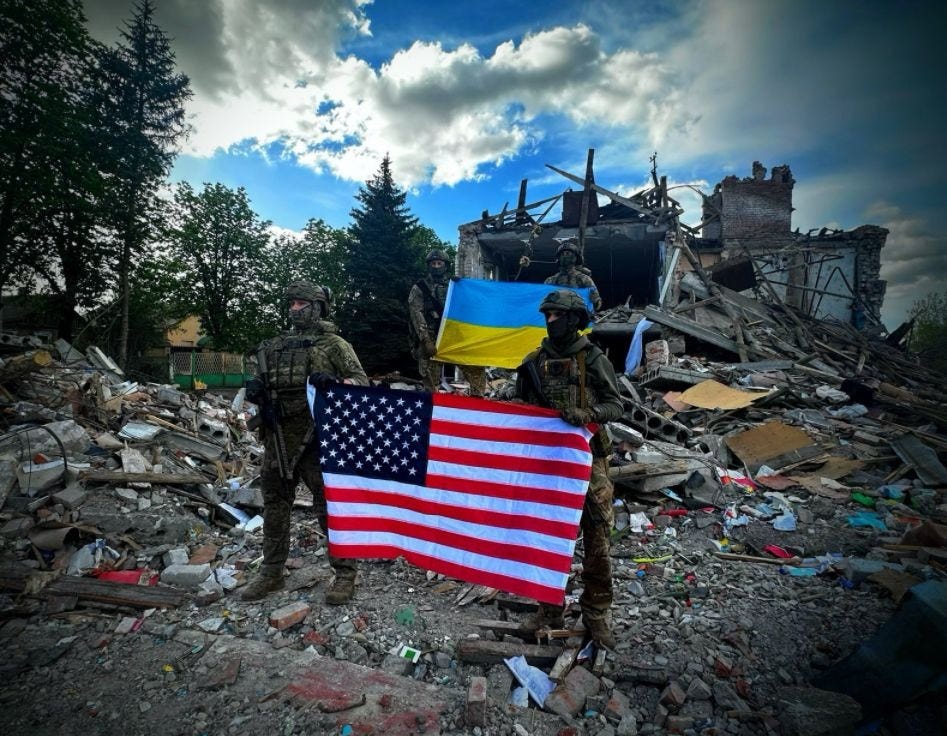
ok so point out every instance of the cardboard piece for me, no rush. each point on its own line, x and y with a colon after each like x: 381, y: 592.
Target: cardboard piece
x: 814, y: 484
x: 712, y: 394
x: 774, y: 444
x: 838, y: 467
x: 673, y: 399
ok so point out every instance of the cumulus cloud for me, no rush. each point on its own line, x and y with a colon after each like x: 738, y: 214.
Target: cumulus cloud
x: 443, y: 114
x: 272, y: 73
x: 913, y: 261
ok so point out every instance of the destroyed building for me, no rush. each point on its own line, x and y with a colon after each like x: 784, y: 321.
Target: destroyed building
x: 828, y: 274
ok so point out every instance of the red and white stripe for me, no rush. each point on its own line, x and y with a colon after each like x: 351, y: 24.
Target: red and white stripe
x: 505, y: 488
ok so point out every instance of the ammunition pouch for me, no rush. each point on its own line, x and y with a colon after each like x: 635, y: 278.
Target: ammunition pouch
x: 256, y: 391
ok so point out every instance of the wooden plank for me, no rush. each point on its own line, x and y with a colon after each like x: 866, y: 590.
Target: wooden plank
x: 500, y: 627
x: 704, y: 303
x: 602, y: 190
x: 478, y: 651
x: 794, y: 561
x: 107, y: 591
x: 119, y: 476
x: 647, y: 470
x: 14, y: 577
x: 693, y: 329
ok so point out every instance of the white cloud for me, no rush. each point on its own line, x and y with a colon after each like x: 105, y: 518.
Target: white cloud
x: 913, y: 261
x: 277, y: 231
x: 267, y: 73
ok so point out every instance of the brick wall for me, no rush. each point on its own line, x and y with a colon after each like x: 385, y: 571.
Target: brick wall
x: 756, y: 209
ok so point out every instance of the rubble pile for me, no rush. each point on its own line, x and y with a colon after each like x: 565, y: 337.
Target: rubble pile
x: 779, y: 497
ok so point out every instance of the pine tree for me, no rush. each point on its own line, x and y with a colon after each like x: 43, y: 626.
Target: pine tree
x: 383, y: 259
x: 146, y: 112
x: 43, y: 44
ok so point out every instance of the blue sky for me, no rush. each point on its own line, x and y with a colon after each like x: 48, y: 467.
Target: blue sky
x: 298, y: 100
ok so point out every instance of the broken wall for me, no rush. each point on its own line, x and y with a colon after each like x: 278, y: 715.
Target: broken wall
x: 831, y: 275
x: 754, y: 211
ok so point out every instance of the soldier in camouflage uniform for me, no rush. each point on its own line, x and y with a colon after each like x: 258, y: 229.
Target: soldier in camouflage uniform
x: 572, y: 375
x: 312, y: 347
x: 571, y: 272
x: 425, y: 309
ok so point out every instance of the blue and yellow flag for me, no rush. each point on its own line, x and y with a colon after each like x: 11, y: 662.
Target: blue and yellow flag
x: 495, y: 323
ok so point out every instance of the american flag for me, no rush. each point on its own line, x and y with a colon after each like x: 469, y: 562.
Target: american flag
x: 486, y: 492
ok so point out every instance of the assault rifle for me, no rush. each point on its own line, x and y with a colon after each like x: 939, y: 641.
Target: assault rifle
x: 264, y: 393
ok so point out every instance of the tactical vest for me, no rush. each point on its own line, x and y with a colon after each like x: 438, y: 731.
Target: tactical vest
x: 562, y: 384
x: 574, y: 278
x: 290, y: 361
x: 433, y: 307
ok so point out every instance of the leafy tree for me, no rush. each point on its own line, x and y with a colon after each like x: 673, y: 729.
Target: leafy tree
x: 317, y: 256
x: 929, y: 333
x: 45, y: 50
x: 145, y: 109
x: 216, y: 263
x: 381, y: 264
x: 77, y: 246
x: 425, y: 240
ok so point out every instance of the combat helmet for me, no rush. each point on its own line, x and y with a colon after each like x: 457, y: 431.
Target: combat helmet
x: 570, y: 245
x: 566, y: 300
x: 310, y: 292
x: 439, y: 273
x: 437, y: 255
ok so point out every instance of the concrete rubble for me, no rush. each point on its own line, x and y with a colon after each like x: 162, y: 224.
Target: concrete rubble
x: 779, y: 493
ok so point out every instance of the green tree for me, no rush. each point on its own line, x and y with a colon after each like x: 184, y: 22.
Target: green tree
x: 216, y: 264
x: 45, y: 50
x: 381, y: 263
x: 76, y: 245
x: 145, y: 108
x: 317, y: 255
x: 929, y: 333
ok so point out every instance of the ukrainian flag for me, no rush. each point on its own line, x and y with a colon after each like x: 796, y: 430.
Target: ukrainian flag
x: 495, y: 323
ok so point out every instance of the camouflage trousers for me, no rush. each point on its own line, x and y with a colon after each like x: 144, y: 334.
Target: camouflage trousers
x: 598, y: 517
x: 278, y: 496
x: 430, y: 371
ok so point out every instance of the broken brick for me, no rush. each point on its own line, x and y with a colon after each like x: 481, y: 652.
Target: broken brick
x: 477, y: 702
x: 289, y: 615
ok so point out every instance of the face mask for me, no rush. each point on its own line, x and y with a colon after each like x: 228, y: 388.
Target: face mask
x: 567, y: 260
x: 563, y: 328
x: 439, y: 272
x: 306, y: 316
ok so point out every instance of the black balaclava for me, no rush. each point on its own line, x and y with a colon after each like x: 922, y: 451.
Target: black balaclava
x: 563, y: 330
x: 307, y: 317
x: 567, y: 260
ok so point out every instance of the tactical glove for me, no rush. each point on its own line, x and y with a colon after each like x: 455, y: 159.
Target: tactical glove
x: 577, y: 417
x: 322, y: 380
x: 255, y: 392
x: 429, y: 347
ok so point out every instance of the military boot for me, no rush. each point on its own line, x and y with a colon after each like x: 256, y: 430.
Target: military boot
x: 600, y: 632
x: 261, y: 586
x: 341, y: 591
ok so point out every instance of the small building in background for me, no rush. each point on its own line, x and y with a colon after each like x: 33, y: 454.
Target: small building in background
x: 193, y: 364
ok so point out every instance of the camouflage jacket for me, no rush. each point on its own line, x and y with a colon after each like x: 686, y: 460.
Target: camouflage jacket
x: 576, y: 279
x: 578, y: 376
x: 291, y: 357
x: 426, y: 307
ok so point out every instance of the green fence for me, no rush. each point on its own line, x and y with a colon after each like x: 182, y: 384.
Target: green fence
x: 196, y: 369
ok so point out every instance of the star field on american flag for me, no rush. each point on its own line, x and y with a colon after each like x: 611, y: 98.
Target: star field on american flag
x: 373, y: 433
